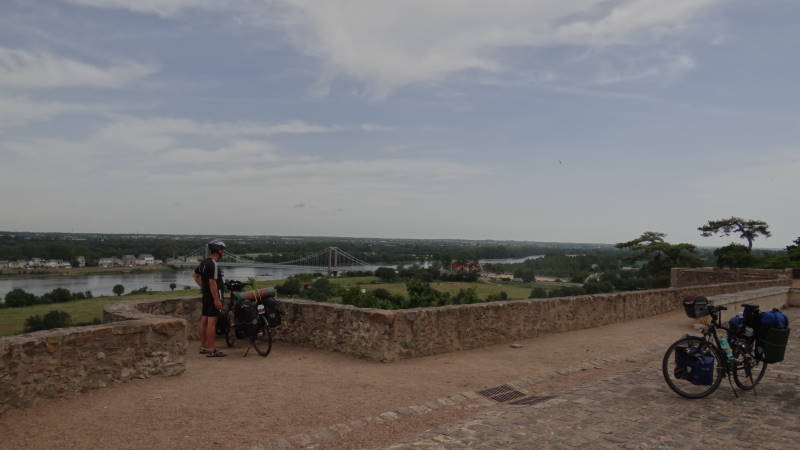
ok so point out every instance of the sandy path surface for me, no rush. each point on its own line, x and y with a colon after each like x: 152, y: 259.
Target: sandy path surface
x: 236, y: 402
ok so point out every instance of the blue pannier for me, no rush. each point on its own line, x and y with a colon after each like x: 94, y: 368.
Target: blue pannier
x: 774, y: 319
x: 703, y: 370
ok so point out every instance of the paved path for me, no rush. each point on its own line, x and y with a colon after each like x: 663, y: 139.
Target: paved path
x: 637, y: 410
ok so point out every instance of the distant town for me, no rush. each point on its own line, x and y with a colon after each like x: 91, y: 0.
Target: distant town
x: 80, y: 261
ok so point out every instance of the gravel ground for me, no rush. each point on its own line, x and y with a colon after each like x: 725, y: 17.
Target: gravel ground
x: 299, y: 392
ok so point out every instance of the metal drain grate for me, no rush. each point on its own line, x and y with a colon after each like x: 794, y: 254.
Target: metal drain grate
x: 501, y: 393
x: 527, y: 401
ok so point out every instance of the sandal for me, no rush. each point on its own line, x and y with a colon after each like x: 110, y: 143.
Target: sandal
x: 215, y: 354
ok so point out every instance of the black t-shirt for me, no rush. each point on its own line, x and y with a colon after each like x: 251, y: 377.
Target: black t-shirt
x: 209, y: 270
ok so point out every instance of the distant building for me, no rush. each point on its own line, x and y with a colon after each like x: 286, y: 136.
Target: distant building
x: 3, y: 264
x: 465, y: 267
x: 106, y: 262
x: 499, y: 276
x: 128, y: 260
x: 81, y: 261
x: 146, y: 259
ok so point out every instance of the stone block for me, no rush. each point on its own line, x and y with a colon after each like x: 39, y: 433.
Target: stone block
x: 169, y: 328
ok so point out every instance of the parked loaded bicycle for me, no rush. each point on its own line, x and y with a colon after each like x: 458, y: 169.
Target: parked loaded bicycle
x: 695, y: 365
x: 250, y: 316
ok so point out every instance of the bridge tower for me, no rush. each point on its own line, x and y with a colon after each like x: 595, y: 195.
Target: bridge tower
x: 332, y: 269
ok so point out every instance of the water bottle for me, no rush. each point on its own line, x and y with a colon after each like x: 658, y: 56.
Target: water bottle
x: 726, y: 347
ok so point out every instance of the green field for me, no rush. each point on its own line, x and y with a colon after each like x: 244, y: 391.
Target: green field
x: 12, y: 320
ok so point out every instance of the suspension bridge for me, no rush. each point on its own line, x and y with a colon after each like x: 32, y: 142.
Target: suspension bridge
x: 330, y: 260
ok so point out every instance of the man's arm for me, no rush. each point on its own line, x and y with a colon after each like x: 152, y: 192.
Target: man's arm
x: 198, y: 279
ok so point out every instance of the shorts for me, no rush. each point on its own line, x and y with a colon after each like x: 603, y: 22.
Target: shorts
x: 209, y: 310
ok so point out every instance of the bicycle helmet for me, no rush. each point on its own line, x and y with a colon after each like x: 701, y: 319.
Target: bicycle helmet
x: 216, y: 245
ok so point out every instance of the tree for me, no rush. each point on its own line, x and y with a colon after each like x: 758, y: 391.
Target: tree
x: 793, y: 251
x: 289, y: 287
x: 19, y: 297
x: 660, y: 256
x: 734, y: 255
x: 172, y: 286
x: 747, y: 229
x: 386, y: 274
x: 118, y: 289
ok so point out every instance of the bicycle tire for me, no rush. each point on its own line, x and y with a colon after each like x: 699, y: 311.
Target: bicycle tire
x: 684, y: 387
x: 751, y: 368
x: 230, y: 336
x: 262, y: 341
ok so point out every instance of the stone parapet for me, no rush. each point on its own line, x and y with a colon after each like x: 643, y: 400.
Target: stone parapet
x: 700, y: 276
x: 58, y: 362
x: 391, y: 335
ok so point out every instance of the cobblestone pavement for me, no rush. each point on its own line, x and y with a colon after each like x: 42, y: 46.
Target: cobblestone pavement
x: 637, y: 410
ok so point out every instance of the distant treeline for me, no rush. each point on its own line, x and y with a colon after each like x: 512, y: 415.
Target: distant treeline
x: 389, y: 251
x: 17, y: 298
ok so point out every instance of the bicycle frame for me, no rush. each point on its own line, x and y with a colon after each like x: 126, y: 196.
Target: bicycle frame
x: 711, y: 331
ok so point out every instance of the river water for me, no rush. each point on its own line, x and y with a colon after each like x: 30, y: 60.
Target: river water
x: 101, y: 284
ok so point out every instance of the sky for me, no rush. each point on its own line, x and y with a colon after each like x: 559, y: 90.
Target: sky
x: 540, y: 120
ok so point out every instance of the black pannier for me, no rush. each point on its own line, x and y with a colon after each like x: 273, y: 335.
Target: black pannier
x: 246, y: 317
x: 696, y: 307
x: 773, y: 344
x: 273, y: 315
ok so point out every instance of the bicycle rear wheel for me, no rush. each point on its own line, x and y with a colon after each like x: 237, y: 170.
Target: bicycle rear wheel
x: 262, y: 341
x: 681, y: 373
x: 750, y: 369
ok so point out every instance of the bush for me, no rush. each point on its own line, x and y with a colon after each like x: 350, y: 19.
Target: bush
x: 386, y: 274
x: 289, y: 287
x: 538, y: 292
x: 320, y: 290
x: 118, y: 289
x: 19, y: 297
x: 53, y: 319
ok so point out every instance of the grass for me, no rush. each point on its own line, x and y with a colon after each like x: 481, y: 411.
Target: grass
x: 12, y: 320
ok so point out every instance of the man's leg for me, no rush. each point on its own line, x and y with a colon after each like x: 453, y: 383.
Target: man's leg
x: 211, y: 331
x: 201, y: 332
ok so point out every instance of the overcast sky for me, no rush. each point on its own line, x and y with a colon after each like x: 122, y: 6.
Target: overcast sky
x: 546, y: 120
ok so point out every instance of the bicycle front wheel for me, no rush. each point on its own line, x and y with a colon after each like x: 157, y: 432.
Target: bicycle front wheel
x: 230, y: 336
x: 750, y: 369
x: 692, y: 367
x: 262, y: 341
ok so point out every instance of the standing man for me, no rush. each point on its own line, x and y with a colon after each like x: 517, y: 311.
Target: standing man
x: 208, y: 276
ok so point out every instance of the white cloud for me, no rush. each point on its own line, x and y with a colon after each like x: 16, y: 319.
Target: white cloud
x: 163, y: 8
x: 386, y: 44
x: 27, y: 69
x: 16, y: 111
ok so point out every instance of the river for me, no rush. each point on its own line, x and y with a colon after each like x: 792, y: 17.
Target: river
x: 101, y: 284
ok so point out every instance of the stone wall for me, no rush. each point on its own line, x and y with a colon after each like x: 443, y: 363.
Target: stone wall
x: 54, y: 363
x: 700, y: 276
x: 392, y: 335
x: 766, y: 299
x: 187, y: 308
